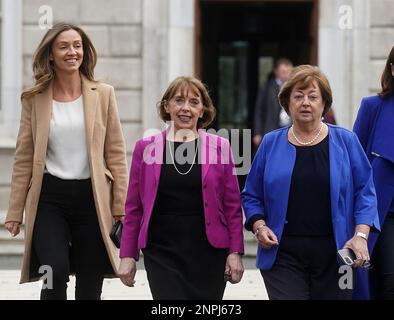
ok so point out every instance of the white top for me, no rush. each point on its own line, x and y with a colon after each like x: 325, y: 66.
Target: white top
x: 67, y: 152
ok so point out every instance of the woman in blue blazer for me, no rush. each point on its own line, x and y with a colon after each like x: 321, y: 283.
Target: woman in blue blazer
x: 309, y: 193
x: 375, y: 128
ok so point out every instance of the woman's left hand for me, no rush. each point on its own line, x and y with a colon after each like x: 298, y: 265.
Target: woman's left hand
x: 117, y: 218
x: 360, y: 248
x: 234, y: 267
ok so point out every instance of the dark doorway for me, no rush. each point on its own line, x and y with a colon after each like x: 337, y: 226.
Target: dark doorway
x: 237, y: 43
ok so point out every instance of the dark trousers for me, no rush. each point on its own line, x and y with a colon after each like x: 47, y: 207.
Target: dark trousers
x: 66, y: 230
x: 382, y: 273
x: 305, y: 269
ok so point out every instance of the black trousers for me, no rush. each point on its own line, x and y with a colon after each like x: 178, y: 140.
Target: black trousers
x: 180, y: 262
x: 305, y: 269
x: 382, y: 273
x: 66, y: 230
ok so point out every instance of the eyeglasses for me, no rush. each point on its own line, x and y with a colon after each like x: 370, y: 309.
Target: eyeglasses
x: 299, y: 97
x: 180, y: 102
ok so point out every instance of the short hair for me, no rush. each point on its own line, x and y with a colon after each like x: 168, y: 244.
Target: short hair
x: 281, y: 61
x: 304, y: 75
x: 387, y: 79
x: 184, y: 84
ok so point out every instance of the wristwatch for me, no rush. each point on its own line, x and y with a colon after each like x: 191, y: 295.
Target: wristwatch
x: 362, y: 235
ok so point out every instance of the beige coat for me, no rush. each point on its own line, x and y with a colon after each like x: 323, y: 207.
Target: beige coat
x: 107, y: 160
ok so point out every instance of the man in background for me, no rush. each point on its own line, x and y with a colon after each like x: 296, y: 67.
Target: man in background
x: 269, y: 115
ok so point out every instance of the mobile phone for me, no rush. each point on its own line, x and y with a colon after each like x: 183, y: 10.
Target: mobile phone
x: 346, y: 256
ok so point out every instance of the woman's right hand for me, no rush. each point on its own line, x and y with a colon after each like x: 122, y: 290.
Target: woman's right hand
x: 265, y: 236
x: 127, y: 270
x: 13, y: 227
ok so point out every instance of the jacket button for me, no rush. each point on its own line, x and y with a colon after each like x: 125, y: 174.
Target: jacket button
x: 208, y: 222
x: 206, y: 204
x: 205, y: 186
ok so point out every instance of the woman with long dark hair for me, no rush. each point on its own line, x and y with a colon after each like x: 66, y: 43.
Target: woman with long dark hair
x: 375, y: 128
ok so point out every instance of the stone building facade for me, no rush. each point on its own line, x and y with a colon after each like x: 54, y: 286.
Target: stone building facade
x: 144, y: 44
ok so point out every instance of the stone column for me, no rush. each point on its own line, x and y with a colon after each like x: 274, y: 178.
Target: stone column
x: 11, y: 70
x: 343, y: 54
x: 154, y: 59
x: 181, y: 41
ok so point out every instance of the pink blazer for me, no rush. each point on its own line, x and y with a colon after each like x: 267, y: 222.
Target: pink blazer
x: 221, y: 195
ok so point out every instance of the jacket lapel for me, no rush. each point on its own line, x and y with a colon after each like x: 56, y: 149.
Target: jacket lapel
x: 158, y: 149
x: 384, y: 128
x: 209, y: 152
x: 90, y: 103
x: 336, y: 156
x: 43, y: 106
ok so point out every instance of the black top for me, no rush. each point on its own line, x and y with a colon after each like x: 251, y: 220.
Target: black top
x: 309, y: 205
x: 177, y: 193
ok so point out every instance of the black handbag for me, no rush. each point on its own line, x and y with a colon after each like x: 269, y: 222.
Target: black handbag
x: 116, y: 233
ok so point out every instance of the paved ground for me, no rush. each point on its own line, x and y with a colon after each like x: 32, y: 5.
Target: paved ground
x: 251, y: 287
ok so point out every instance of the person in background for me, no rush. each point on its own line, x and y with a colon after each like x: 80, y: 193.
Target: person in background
x: 70, y: 170
x: 375, y: 128
x: 308, y: 194
x: 269, y: 115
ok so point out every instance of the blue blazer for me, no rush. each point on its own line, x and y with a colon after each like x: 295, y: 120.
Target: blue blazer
x: 353, y: 199
x: 374, y: 127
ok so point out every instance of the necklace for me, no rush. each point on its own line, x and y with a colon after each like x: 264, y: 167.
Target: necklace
x: 173, y: 160
x: 309, y: 142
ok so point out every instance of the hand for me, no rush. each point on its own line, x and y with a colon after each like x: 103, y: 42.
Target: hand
x: 266, y: 237
x: 119, y: 218
x: 360, y: 248
x: 234, y: 267
x: 127, y: 270
x: 257, y: 139
x: 13, y: 227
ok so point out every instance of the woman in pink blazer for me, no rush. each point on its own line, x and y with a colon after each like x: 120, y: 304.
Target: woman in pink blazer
x: 183, y: 204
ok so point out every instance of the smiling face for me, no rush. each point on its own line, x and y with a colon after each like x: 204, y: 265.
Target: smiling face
x: 67, y: 51
x: 306, y: 104
x: 185, y: 108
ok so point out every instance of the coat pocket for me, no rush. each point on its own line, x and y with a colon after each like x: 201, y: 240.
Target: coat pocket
x: 30, y: 183
x: 222, y: 218
x: 109, y: 175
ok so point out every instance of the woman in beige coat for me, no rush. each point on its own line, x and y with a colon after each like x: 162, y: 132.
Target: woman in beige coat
x: 70, y: 171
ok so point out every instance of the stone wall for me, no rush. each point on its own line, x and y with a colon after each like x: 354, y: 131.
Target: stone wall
x: 115, y: 28
x: 381, y: 40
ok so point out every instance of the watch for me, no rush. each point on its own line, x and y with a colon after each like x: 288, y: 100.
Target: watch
x: 362, y: 235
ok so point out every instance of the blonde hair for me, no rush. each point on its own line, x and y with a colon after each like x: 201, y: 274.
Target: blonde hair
x: 43, y: 68
x: 304, y: 75
x: 184, y: 84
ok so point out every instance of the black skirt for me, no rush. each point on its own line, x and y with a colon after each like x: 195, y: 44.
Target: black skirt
x: 179, y: 261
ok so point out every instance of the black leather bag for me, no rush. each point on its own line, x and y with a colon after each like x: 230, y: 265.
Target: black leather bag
x: 116, y: 233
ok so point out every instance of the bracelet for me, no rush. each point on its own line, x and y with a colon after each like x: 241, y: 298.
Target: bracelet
x: 258, y: 229
x: 362, y: 235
